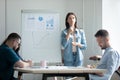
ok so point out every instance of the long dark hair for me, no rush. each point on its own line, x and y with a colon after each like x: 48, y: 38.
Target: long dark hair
x: 66, y: 23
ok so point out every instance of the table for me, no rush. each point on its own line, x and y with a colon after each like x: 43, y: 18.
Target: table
x: 64, y: 71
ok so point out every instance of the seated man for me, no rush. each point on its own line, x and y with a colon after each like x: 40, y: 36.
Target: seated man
x: 9, y: 58
x: 110, y: 59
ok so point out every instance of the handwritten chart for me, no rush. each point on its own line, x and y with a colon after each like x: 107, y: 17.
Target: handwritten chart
x: 41, y: 36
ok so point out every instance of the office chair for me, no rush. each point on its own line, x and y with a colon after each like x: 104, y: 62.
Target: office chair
x: 118, y: 71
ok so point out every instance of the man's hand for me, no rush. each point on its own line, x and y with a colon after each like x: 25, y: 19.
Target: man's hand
x: 96, y: 57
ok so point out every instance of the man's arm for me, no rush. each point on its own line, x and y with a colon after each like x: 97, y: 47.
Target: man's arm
x: 22, y: 64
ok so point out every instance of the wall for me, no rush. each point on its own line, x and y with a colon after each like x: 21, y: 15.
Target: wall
x: 92, y: 21
x: 14, y: 11
x: 2, y: 20
x: 110, y: 20
x: 89, y: 13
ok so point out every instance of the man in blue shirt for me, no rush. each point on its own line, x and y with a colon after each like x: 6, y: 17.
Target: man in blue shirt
x: 110, y: 59
x: 8, y: 57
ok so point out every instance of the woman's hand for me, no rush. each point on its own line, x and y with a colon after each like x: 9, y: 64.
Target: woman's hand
x: 70, y: 30
x: 76, y: 44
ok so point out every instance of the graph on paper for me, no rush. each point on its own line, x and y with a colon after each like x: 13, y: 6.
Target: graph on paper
x: 41, y: 36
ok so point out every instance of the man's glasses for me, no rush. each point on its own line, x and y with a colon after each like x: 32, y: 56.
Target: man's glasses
x: 19, y: 44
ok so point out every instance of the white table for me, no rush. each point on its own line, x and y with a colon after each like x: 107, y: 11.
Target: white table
x: 52, y: 71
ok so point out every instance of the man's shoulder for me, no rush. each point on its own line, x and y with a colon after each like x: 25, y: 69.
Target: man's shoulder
x: 113, y: 52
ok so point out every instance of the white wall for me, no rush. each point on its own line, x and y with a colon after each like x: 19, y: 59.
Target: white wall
x: 111, y: 20
x: 92, y: 21
x: 14, y: 11
x: 2, y: 20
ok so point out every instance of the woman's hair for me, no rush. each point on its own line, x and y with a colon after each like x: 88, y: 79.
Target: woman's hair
x: 66, y: 23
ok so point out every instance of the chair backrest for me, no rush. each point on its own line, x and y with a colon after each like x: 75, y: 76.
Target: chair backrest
x: 118, y: 71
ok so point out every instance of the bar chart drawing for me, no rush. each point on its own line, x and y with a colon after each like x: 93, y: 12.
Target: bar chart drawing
x: 41, y: 36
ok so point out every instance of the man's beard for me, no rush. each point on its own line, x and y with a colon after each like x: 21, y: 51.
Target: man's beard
x: 103, y: 47
x: 14, y: 48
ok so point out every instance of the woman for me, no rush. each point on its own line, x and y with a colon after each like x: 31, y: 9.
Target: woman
x: 73, y: 41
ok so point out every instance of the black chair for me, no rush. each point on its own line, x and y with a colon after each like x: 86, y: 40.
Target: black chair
x: 118, y: 71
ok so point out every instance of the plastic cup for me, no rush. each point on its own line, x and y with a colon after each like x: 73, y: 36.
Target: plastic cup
x: 43, y: 63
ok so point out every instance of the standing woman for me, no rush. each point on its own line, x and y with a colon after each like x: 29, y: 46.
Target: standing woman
x: 73, y: 40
